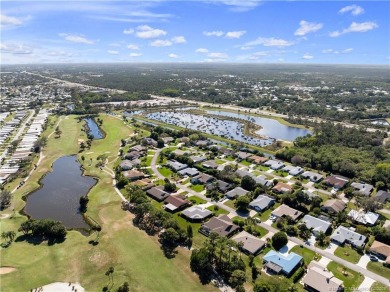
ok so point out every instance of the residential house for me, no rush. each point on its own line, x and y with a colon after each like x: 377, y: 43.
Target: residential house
x: 150, y: 141
x: 241, y: 173
x: 126, y: 165
x: 221, y: 186
x: 319, y: 279
x: 283, y: 188
x: 381, y: 250
x: 368, y: 219
x: 242, y: 155
x: 293, y: 170
x: 202, y: 178
x: 312, y: 176
x: 250, y: 244
x: 344, y: 235
x: 157, y: 193
x: 196, y: 214
x: 284, y: 211
x: 225, y: 151
x: 144, y: 184
x: 262, y: 203
x: 197, y: 159
x: 202, y: 143
x: 222, y: 225
x: 168, y: 139
x: 333, y: 206
x: 133, y: 155
x: 257, y: 159
x: 316, y: 224
x: 175, y: 165
x: 175, y: 203
x: 138, y: 148
x: 279, y: 263
x: 235, y: 193
x: 362, y: 189
x: 274, y: 164
x: 382, y: 197
x: 210, y: 164
x: 189, y: 171
x: 179, y: 152
x: 262, y: 180
x: 133, y: 174
x: 336, y: 181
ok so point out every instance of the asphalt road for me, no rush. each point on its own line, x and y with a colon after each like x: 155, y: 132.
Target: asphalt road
x: 323, y: 253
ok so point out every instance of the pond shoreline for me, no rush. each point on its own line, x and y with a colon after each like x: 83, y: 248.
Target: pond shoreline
x: 88, y: 222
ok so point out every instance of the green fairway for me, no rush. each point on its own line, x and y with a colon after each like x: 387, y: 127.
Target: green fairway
x: 134, y: 255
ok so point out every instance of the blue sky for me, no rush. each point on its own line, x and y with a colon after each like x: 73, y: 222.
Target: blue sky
x: 341, y: 32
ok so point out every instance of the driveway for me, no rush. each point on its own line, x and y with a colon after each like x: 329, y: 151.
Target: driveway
x: 364, y: 260
x: 268, y: 222
x: 332, y: 247
x: 287, y: 247
x: 366, y: 284
x: 324, y: 261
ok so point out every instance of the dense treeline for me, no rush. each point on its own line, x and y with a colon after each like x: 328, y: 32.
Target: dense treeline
x: 352, y: 152
x: 54, y: 231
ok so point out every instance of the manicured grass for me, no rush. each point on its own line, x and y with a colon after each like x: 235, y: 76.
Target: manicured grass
x: 379, y: 269
x: 230, y: 158
x: 197, y: 200
x: 218, y: 212
x: 265, y: 215
x: 377, y: 287
x: 121, y: 245
x: 219, y: 161
x: 197, y: 188
x: 348, y: 254
x: 351, y: 279
x: 307, y: 254
x: 246, y: 163
x: 165, y: 171
x: 230, y: 203
x: 262, y: 168
x: 256, y: 173
x: 148, y: 160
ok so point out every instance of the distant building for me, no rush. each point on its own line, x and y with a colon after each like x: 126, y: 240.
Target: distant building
x: 274, y: 164
x: 293, y: 170
x: 344, y: 235
x: 381, y: 250
x: 202, y: 178
x: 196, y: 214
x: 319, y: 279
x: 157, y: 193
x: 312, y: 176
x: 281, y: 263
x: 382, y: 197
x: 336, y: 181
x: 283, y: 188
x: 284, y: 211
x: 221, y: 225
x: 317, y: 225
x: 250, y: 244
x: 364, y: 218
x: 362, y: 188
x: 262, y: 203
x: 175, y: 203
x: 333, y: 206
x: 257, y: 159
x: 175, y: 165
x: 236, y: 192
x: 189, y: 171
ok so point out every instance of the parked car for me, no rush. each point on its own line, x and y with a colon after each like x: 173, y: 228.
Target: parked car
x: 373, y: 258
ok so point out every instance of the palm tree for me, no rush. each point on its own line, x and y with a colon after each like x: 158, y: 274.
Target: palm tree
x: 110, y: 276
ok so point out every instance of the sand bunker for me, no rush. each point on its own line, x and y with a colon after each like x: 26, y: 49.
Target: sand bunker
x: 6, y: 270
x: 61, y: 287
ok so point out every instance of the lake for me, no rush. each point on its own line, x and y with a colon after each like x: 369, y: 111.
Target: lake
x: 93, y: 128
x: 271, y: 130
x: 270, y: 127
x: 59, y: 196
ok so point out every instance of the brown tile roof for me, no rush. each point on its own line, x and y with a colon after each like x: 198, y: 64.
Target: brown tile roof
x: 257, y: 159
x: 381, y: 248
x: 283, y: 187
x: 334, y: 205
x: 318, y: 278
x: 176, y: 201
x: 221, y: 225
x: 284, y: 210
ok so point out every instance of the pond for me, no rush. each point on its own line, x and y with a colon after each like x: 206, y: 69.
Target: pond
x: 59, y: 196
x: 270, y: 127
x: 93, y: 128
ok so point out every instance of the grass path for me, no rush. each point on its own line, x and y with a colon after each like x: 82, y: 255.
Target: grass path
x: 135, y: 256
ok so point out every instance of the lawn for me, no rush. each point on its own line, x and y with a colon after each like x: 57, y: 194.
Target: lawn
x: 351, y: 279
x: 196, y: 200
x: 262, y: 168
x: 230, y: 158
x: 219, y: 161
x: 307, y: 254
x: 218, y: 212
x: 148, y: 160
x: 230, y: 203
x: 121, y: 245
x: 348, y: 254
x: 378, y: 287
x: 379, y: 269
x: 165, y: 171
x: 197, y: 188
x: 246, y: 163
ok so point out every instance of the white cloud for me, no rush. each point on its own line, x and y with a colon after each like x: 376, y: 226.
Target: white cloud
x: 133, y: 55
x: 133, y: 47
x: 307, y: 27
x: 235, y: 34
x: 147, y: 32
x: 346, y: 51
x: 245, y: 48
x: 269, y: 42
x: 327, y: 51
x: 217, y: 33
x: 240, y: 5
x: 111, y: 52
x: 128, y: 31
x: 202, y: 51
x: 115, y: 45
x: 161, y: 43
x: 179, y: 40
x: 74, y: 38
x: 354, y: 9
x: 355, y: 27
x: 307, y: 57
x: 174, y: 56
x: 15, y: 49
x: 11, y: 22
x: 217, y: 56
